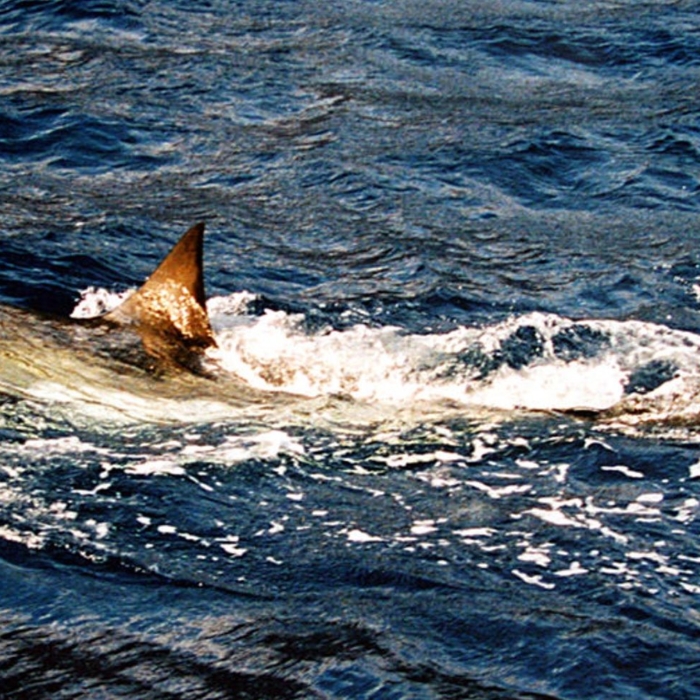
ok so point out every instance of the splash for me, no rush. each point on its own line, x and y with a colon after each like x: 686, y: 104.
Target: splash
x: 535, y: 362
x: 96, y: 301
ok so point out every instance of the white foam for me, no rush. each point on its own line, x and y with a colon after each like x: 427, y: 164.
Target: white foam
x: 230, y: 545
x: 475, y: 532
x: 266, y: 445
x: 574, y: 570
x: 499, y: 491
x: 274, y: 352
x: 537, y: 555
x: 688, y: 510
x: 96, y: 301
x: 359, y: 536
x: 386, y: 366
x: 69, y: 444
x: 30, y: 540
x: 423, y: 527
x: 626, y: 471
x: 408, y: 459
x: 556, y: 517
x: 556, y: 386
x: 648, y: 556
x: 535, y: 580
x: 227, y: 311
x: 155, y: 467
x: 654, y: 497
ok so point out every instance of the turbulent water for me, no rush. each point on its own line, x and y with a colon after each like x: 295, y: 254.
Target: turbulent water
x: 452, y: 266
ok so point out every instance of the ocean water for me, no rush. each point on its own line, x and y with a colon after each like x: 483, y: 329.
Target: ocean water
x: 452, y: 263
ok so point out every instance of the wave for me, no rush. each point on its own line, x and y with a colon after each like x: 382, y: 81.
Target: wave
x: 534, y: 361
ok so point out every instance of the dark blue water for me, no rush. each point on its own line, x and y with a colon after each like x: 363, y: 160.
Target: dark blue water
x: 442, y: 238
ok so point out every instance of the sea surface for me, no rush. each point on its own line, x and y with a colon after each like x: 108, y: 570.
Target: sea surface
x: 452, y: 261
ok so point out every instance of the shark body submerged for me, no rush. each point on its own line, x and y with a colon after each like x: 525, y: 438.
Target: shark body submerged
x: 145, y: 360
x: 149, y: 359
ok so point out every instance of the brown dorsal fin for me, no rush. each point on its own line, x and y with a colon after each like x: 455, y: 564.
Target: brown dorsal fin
x: 171, y: 303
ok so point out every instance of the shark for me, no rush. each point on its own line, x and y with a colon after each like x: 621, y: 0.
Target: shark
x: 162, y: 328
x: 168, y: 313
x: 157, y: 350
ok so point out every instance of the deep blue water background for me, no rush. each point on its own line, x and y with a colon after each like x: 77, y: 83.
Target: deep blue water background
x: 429, y: 165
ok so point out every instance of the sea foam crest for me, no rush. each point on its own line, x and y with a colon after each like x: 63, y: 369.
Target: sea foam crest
x: 536, y: 361
x: 96, y: 301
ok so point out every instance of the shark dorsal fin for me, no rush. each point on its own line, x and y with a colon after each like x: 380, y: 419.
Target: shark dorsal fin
x: 183, y: 265
x: 171, y: 306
